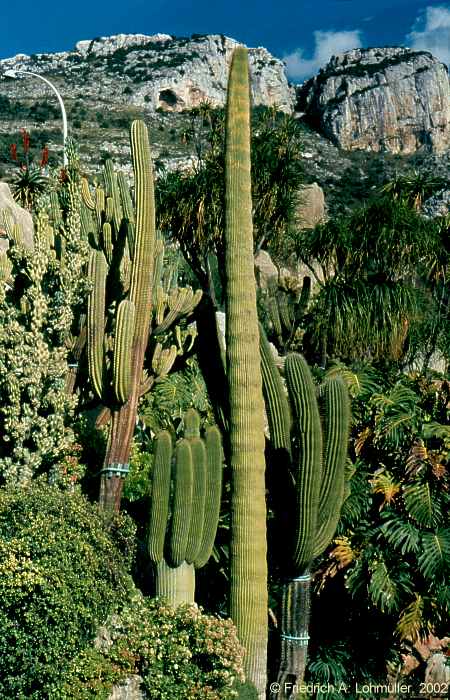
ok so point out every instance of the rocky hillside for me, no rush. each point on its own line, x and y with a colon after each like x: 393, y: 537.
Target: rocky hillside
x: 390, y: 99
x: 158, y: 71
x: 367, y: 115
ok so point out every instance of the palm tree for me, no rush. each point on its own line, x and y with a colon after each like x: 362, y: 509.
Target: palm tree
x: 369, y: 295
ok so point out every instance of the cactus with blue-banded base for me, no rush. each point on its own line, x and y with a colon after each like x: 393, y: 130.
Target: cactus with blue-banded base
x: 309, y: 430
x: 182, y: 527
x: 125, y: 270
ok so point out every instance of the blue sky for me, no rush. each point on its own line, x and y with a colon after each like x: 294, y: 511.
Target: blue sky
x: 303, y: 32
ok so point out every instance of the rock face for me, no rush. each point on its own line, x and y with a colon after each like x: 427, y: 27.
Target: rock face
x: 389, y: 99
x: 160, y: 71
x: 18, y: 215
x: 311, y: 207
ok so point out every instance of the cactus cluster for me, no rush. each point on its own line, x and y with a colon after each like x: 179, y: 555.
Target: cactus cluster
x: 185, y: 505
x: 39, y: 293
x: 309, y: 430
x: 128, y: 305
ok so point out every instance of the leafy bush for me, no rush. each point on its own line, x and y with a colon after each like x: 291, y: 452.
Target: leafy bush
x: 179, y: 653
x: 61, y: 574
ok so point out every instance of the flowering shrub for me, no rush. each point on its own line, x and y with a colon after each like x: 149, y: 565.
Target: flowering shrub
x: 61, y: 575
x: 179, y: 653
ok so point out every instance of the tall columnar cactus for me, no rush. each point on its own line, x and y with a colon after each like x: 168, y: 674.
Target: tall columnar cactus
x: 309, y: 435
x: 183, y: 519
x: 127, y: 305
x: 248, y: 595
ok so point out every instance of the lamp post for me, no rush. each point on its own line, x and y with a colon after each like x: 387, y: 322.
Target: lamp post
x: 16, y: 74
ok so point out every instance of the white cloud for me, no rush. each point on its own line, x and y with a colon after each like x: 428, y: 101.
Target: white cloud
x: 431, y: 32
x: 327, y: 44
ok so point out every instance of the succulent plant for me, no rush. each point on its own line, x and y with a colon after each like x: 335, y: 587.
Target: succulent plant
x: 185, y: 504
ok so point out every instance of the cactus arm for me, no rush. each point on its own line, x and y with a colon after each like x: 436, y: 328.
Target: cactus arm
x: 302, y: 394
x: 195, y: 537
x: 159, y: 509
x: 122, y: 350
x: 337, y: 425
x: 213, y: 494
x: 182, y: 504
x: 97, y: 271
x: 248, y: 595
x: 277, y: 406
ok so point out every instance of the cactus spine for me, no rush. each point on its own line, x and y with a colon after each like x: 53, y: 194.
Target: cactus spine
x: 316, y: 464
x: 183, y: 542
x: 248, y: 595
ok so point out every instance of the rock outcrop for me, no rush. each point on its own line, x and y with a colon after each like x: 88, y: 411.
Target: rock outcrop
x: 387, y: 99
x: 159, y: 71
x: 18, y: 215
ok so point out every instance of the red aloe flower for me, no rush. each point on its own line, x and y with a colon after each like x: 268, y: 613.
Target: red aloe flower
x: 25, y: 140
x: 13, y: 151
x: 44, y: 157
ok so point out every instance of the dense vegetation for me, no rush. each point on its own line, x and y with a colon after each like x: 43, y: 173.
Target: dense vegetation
x: 113, y: 374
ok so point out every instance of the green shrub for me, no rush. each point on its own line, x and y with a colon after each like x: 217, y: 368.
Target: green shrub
x: 61, y: 575
x: 179, y: 653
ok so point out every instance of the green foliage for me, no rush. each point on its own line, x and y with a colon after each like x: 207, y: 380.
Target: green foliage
x: 179, y: 654
x: 190, y: 206
x: 368, y: 300
x: 61, y: 574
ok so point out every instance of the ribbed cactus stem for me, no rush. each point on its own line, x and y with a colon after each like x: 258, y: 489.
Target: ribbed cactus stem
x: 214, y: 467
x: 123, y: 340
x: 140, y: 294
x: 182, y: 504
x: 336, y: 428
x: 277, y: 406
x: 295, y: 617
x: 308, y: 474
x: 160, y: 494
x: 175, y: 584
x: 248, y: 595
x: 198, y: 451
x: 191, y: 422
x: 97, y: 271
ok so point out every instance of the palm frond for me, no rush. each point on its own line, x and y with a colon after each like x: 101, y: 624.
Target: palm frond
x: 435, y: 555
x: 400, y: 533
x: 411, y: 621
x: 419, y: 504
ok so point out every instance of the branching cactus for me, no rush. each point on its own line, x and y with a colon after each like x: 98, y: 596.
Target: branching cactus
x: 185, y: 506
x: 309, y: 434
x: 127, y: 306
x: 248, y: 594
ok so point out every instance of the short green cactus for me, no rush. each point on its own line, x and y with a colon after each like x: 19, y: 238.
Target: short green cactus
x: 183, y: 541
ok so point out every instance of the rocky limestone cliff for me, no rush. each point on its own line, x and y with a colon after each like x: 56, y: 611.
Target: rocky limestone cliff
x: 385, y: 99
x: 158, y: 71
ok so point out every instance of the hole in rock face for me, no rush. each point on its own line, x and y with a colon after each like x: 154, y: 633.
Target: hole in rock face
x: 168, y: 99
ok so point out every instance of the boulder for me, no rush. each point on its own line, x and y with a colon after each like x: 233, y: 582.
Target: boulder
x: 380, y: 99
x: 265, y: 269
x: 311, y: 206
x: 19, y: 216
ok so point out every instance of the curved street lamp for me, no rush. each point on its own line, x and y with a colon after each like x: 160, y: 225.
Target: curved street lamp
x: 17, y: 73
